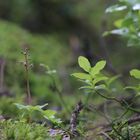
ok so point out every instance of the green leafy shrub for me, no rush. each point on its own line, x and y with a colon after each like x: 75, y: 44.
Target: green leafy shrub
x: 95, y: 81
x: 92, y: 75
x: 128, y: 26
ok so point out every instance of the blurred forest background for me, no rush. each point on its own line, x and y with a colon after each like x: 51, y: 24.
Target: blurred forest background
x: 57, y: 32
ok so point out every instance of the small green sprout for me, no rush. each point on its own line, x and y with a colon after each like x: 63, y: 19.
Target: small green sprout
x: 92, y: 75
x: 27, y: 112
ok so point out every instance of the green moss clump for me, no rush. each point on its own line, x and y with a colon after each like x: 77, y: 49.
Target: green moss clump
x: 20, y: 130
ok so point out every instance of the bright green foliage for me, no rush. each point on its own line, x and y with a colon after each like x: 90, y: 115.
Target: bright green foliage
x: 128, y: 25
x: 94, y: 81
x: 97, y: 68
x: 135, y: 73
x: 93, y: 76
x: 83, y: 76
x: 19, y: 130
x: 84, y: 63
x: 27, y: 111
x: 116, y: 8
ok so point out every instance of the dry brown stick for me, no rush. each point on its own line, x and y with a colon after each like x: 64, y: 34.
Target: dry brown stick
x: 74, y: 118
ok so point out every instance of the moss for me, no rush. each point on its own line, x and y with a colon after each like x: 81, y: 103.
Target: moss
x: 18, y: 130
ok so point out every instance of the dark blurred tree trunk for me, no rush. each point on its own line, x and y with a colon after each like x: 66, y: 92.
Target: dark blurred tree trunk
x: 2, y: 66
x: 3, y: 90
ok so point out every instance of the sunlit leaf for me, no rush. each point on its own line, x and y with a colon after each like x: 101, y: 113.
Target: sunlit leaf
x: 116, y: 8
x: 99, y: 79
x: 20, y: 106
x: 135, y: 73
x: 86, y: 87
x: 84, y: 63
x: 121, y: 31
x: 118, y: 23
x: 98, y: 67
x: 42, y: 106
x: 49, y: 115
x: 83, y: 76
x: 49, y: 112
x: 131, y: 88
x: 102, y: 86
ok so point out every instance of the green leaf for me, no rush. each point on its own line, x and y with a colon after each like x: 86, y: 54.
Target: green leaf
x: 132, y: 88
x: 86, y: 87
x: 118, y: 23
x: 49, y: 112
x: 84, y: 63
x: 99, y: 79
x: 30, y: 107
x: 49, y: 115
x: 20, y: 106
x: 102, y: 86
x: 121, y: 31
x: 135, y: 73
x: 83, y: 76
x: 128, y: 22
x: 106, y: 33
x: 97, y: 68
x: 116, y: 8
x: 42, y: 106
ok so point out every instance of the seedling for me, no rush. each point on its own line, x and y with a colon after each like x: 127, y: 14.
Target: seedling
x: 28, y: 110
x: 92, y: 76
x: 27, y: 66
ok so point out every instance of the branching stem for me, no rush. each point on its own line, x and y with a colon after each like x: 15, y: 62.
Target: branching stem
x: 121, y: 102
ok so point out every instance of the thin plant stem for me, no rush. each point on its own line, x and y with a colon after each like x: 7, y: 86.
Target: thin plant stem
x: 106, y: 135
x: 118, y: 101
x: 99, y: 112
x: 27, y: 65
x: 116, y: 131
x: 60, y: 95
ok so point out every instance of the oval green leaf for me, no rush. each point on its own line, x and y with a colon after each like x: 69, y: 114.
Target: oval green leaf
x: 98, y: 67
x: 116, y: 8
x: 82, y: 76
x: 84, y: 63
x: 135, y: 73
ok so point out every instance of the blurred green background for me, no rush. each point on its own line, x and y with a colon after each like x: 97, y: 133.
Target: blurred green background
x: 57, y: 32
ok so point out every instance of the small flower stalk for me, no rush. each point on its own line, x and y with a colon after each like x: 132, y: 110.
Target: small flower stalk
x: 27, y: 66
